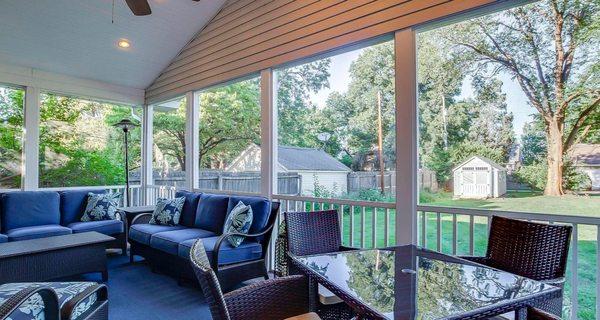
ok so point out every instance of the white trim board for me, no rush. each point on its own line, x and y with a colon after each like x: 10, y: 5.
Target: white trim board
x: 63, y: 84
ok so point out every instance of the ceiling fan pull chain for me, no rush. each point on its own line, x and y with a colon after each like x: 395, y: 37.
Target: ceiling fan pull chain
x: 112, y: 19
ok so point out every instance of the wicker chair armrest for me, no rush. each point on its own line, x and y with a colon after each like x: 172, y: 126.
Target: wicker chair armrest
x: 214, y: 263
x: 70, y: 306
x: 280, y: 298
x: 49, y: 298
x: 142, y: 218
x: 121, y: 216
x: 480, y: 260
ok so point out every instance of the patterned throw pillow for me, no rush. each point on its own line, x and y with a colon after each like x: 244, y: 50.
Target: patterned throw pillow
x: 239, y: 220
x: 101, y: 206
x: 167, y: 211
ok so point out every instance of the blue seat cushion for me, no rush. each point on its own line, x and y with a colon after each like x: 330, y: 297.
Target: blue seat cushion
x: 169, y: 241
x: 29, y: 208
x: 3, y: 238
x: 188, y: 212
x: 36, y: 232
x: 32, y: 308
x: 261, y: 209
x: 211, y: 213
x: 143, y: 232
x: 73, y: 203
x: 108, y: 227
x: 248, y: 250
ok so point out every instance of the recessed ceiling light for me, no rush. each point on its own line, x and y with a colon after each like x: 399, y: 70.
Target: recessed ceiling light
x: 123, y: 43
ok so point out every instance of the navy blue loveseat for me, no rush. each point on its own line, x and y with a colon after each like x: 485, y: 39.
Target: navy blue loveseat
x: 28, y: 215
x: 203, y: 216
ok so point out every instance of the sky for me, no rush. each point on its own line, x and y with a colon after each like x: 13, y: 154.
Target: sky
x: 515, y: 98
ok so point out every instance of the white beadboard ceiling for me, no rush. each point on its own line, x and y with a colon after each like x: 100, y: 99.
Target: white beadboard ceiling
x: 77, y: 38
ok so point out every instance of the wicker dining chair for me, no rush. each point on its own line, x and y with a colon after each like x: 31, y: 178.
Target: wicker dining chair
x: 309, y: 233
x: 274, y: 299
x: 533, y: 250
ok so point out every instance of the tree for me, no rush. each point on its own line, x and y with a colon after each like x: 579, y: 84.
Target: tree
x: 299, y: 120
x: 229, y: 122
x: 11, y: 113
x: 550, y: 48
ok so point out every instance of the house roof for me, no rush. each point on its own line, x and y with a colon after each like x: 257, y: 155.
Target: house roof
x: 76, y: 38
x: 296, y: 158
x: 584, y: 154
x: 491, y: 162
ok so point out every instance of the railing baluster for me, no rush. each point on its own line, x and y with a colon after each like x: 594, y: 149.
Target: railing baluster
x: 439, y: 232
x: 574, y: 280
x: 374, y: 230
x: 362, y: 227
x: 386, y: 230
x: 471, y: 234
x: 424, y: 230
x: 312, y: 206
x: 351, y: 226
x: 341, y: 217
x: 597, y: 271
x: 454, y: 233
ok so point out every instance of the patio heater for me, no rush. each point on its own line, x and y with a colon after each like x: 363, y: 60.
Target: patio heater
x: 126, y: 125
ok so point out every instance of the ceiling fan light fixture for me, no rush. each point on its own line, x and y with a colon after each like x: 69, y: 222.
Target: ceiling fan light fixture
x: 123, y: 43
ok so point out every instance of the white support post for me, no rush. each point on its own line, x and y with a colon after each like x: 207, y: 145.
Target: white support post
x: 406, y: 137
x: 31, y: 141
x: 146, y: 178
x: 192, y: 146
x: 268, y: 135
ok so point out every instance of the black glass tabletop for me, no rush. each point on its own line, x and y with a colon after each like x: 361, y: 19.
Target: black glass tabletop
x: 408, y: 282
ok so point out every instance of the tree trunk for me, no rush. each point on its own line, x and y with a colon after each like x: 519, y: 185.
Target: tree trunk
x: 554, y: 136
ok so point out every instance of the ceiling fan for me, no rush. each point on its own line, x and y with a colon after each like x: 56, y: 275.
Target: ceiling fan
x: 141, y: 7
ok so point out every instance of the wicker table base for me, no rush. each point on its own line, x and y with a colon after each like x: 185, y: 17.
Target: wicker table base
x: 54, y: 257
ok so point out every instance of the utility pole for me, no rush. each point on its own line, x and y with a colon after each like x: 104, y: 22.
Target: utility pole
x: 380, y: 142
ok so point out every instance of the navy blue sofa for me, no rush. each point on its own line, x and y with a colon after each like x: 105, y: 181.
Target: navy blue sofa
x: 28, y: 215
x: 203, y: 216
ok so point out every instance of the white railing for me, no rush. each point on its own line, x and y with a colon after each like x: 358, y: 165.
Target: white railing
x: 454, y: 231
x: 154, y: 192
x: 477, y: 222
x: 461, y: 231
x: 134, y: 192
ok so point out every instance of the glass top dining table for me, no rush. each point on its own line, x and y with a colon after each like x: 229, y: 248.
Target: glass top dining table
x: 408, y: 282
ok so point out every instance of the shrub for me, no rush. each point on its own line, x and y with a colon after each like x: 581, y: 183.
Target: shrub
x: 534, y: 175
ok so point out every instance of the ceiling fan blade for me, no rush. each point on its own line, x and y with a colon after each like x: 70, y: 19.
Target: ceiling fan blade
x: 139, y: 7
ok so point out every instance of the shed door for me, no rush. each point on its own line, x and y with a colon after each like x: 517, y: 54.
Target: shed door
x: 475, y: 182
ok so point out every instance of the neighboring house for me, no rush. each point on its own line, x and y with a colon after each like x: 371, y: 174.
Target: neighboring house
x: 479, y: 177
x: 586, y: 158
x: 313, y: 165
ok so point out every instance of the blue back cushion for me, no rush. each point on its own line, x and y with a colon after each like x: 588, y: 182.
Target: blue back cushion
x: 29, y: 208
x: 72, y: 204
x: 188, y: 212
x: 211, y: 213
x: 261, y: 208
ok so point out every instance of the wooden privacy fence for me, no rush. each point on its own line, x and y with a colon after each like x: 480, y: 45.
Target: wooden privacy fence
x: 287, y: 183
x: 360, y: 180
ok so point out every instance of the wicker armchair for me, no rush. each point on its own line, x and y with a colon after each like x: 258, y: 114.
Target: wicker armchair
x: 315, y: 232
x: 270, y: 299
x: 49, y: 303
x: 533, y: 250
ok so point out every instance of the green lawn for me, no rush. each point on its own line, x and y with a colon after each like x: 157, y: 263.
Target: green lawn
x: 526, y: 202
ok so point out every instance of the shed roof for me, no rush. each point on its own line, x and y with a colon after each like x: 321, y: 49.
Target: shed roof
x: 296, y: 158
x: 491, y: 162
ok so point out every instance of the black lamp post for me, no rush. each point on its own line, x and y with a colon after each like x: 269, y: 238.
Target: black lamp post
x: 126, y: 125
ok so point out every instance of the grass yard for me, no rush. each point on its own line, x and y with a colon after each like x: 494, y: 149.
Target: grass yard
x: 523, y: 201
